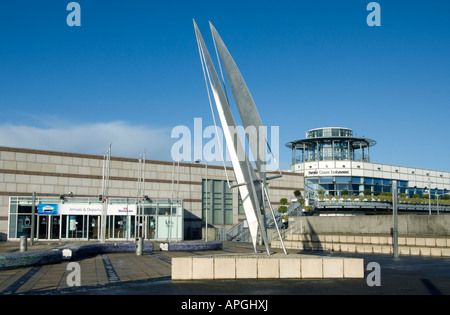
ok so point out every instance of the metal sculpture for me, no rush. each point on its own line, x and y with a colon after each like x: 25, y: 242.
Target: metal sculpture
x: 251, y: 184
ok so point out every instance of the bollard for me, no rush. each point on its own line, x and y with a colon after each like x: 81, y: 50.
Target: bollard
x: 23, y: 244
x: 139, y: 246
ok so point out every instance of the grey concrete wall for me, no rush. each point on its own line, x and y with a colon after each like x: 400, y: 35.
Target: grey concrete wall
x: 435, y: 225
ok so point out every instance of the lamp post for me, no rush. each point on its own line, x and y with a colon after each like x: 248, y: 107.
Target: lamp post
x: 442, y: 196
x: 429, y: 195
x: 395, y: 219
x: 206, y: 203
x: 33, y: 224
x: 437, y: 201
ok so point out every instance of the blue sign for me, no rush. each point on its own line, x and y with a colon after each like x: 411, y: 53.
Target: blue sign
x: 47, y: 208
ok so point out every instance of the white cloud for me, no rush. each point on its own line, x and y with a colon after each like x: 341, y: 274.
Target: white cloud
x: 127, y: 140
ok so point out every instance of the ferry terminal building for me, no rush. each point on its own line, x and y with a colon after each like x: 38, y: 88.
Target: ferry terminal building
x: 68, y: 206
x: 67, y: 186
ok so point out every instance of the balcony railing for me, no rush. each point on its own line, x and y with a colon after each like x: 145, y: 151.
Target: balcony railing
x: 404, y: 204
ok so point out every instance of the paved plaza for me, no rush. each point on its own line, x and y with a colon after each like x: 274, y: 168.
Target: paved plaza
x: 150, y: 274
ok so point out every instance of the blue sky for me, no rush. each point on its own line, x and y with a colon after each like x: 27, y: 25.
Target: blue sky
x: 131, y: 73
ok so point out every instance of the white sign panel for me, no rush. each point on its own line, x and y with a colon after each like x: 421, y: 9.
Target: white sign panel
x: 86, y: 209
x: 327, y: 172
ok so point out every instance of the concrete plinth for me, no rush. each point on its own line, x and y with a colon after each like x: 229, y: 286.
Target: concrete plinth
x: 246, y: 267
x: 182, y: 268
x: 262, y: 266
x: 290, y: 268
x: 224, y: 268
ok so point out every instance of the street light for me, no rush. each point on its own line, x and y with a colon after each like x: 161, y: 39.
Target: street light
x: 395, y: 218
x: 206, y: 193
x: 33, y: 222
x: 437, y: 202
x: 437, y: 197
x: 429, y: 194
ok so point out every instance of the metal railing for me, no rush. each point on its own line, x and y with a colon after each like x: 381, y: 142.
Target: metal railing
x: 295, y: 227
x: 240, y: 232
x: 376, y: 204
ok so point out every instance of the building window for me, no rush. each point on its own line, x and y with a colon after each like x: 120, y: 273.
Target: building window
x: 240, y: 206
x: 354, y: 185
x: 219, y: 202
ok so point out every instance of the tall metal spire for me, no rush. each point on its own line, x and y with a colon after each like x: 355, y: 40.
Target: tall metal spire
x: 247, y: 181
x: 244, y: 101
x: 248, y: 113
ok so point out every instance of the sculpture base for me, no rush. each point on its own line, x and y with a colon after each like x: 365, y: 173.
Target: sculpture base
x: 261, y: 266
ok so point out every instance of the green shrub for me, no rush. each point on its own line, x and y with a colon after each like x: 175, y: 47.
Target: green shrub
x: 282, y: 209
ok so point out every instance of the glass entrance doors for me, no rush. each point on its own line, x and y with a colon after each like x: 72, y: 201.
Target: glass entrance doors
x: 49, y: 227
x: 57, y: 227
x: 93, y: 227
x: 147, y: 227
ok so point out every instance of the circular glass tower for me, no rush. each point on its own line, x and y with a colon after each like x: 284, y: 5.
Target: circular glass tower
x: 330, y: 144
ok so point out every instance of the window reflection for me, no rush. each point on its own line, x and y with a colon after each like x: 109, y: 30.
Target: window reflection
x: 353, y: 185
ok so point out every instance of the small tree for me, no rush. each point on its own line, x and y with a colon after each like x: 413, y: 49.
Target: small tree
x: 282, y: 209
x: 307, y: 208
x: 297, y: 193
